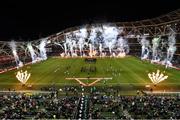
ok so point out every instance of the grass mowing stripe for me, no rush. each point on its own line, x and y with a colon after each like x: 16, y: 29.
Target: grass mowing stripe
x: 132, y: 70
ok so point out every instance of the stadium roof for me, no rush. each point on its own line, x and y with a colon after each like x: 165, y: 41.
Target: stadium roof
x: 31, y: 20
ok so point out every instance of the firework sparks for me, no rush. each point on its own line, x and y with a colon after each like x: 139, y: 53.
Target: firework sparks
x: 23, y: 76
x: 157, y: 77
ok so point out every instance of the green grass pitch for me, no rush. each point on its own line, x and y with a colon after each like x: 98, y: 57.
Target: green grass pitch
x: 123, y: 71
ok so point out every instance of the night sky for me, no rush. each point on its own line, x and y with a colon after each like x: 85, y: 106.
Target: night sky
x: 32, y: 20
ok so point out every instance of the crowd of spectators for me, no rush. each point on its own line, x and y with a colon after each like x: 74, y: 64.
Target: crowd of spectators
x: 75, y: 103
x: 136, y: 107
x: 152, y: 107
x: 49, y: 105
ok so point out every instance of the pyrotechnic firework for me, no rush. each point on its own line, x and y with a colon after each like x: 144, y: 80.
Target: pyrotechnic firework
x: 23, y: 76
x: 157, y: 77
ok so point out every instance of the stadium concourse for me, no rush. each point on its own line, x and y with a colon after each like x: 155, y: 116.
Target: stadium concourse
x: 122, y: 70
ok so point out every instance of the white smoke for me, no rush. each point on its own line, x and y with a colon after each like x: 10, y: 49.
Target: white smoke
x: 144, y: 48
x: 81, y: 35
x: 171, y: 49
x: 14, y: 51
x: 122, y: 45
x: 155, y: 42
x: 31, y: 50
x: 70, y: 43
x: 96, y: 38
x: 110, y: 34
x: 96, y: 35
x: 43, y: 55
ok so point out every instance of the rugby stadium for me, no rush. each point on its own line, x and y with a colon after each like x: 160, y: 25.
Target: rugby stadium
x: 95, y: 71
